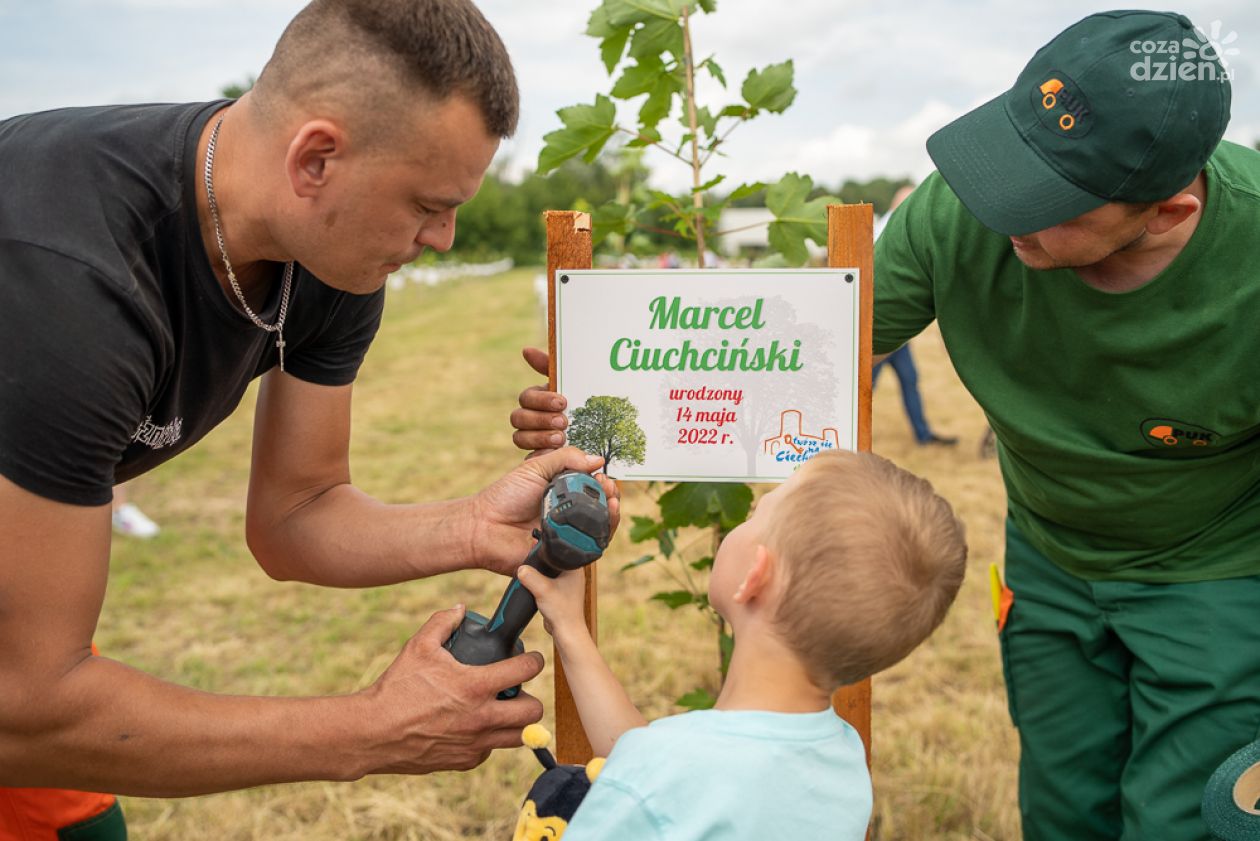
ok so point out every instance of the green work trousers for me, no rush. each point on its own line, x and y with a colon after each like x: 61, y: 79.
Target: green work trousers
x: 1126, y: 695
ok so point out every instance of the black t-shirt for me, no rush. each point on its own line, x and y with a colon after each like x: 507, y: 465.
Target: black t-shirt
x: 118, y: 346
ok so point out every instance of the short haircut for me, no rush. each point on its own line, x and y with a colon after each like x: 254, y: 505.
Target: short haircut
x: 873, y: 559
x: 1137, y: 208
x: 372, y: 53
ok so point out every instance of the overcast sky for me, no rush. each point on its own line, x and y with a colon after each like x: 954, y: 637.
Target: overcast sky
x: 875, y: 77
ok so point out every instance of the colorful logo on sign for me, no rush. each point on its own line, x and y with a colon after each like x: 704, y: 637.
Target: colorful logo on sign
x: 794, y: 444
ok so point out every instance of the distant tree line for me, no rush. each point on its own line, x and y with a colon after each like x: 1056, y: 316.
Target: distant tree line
x: 505, y: 217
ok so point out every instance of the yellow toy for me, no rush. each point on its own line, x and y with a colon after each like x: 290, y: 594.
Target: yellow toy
x: 556, y: 794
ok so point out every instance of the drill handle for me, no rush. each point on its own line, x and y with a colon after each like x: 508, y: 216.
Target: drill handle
x: 515, y: 610
x: 517, y: 607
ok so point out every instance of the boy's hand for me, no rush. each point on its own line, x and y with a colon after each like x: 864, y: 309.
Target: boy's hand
x: 540, y: 420
x: 561, y: 600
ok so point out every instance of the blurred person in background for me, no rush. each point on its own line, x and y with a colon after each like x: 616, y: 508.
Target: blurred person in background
x: 902, y: 362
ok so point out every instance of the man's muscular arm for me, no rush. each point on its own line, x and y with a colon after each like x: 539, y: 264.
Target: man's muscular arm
x: 306, y: 521
x: 69, y: 719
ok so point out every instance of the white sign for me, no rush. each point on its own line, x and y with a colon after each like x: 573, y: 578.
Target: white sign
x: 708, y: 375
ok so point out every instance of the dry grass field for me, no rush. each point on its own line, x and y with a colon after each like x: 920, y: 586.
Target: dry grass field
x: 431, y: 410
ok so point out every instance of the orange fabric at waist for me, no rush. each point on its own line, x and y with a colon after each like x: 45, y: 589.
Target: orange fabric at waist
x: 35, y: 814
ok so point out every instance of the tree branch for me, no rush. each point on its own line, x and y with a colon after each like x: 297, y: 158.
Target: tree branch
x: 697, y: 198
x: 714, y: 147
x: 653, y: 142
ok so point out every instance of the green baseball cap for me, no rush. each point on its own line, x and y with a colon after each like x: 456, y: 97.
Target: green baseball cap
x: 1121, y: 106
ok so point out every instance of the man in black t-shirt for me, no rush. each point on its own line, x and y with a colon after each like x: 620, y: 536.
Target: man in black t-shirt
x: 153, y: 261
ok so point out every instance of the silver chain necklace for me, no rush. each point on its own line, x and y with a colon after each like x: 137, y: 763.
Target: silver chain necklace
x: 278, y: 327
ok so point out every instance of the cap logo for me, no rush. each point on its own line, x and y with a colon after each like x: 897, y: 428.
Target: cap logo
x: 1061, y: 105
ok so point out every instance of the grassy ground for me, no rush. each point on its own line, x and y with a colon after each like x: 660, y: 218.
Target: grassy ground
x: 431, y: 409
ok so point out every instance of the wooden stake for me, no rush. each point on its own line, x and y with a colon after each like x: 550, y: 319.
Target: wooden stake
x: 850, y: 244
x: 568, y: 247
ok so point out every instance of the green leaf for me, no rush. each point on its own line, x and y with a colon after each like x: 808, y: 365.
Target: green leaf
x: 674, y: 599
x: 743, y: 191
x: 704, y: 563
x: 623, y: 12
x: 706, y: 121
x: 697, y: 699
x: 656, y: 37
x: 586, y: 130
x: 647, y: 136
x: 666, y: 542
x: 770, y: 89
x: 734, y: 501
x: 682, y: 142
x: 782, y: 239
x: 705, y: 504
x: 612, y: 48
x: 709, y: 6
x: 638, y: 79
x: 657, y: 199
x: 709, y: 185
x: 599, y: 26
x: 638, y: 562
x: 659, y: 102
x: 795, y: 218
x: 790, y: 193
x: 712, y: 213
x: 644, y: 528
x: 611, y: 218
x: 715, y: 70
x: 740, y: 111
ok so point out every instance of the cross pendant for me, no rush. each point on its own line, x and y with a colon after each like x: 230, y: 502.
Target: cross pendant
x: 280, y: 343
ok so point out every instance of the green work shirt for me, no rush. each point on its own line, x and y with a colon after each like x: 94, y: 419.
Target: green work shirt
x: 1128, y: 423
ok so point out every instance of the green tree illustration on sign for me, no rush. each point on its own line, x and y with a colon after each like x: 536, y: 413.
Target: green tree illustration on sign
x: 607, y: 426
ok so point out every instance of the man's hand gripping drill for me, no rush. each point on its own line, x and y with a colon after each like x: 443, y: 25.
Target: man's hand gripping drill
x: 573, y: 532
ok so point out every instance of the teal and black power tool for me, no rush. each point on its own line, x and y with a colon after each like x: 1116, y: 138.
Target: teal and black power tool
x: 573, y: 532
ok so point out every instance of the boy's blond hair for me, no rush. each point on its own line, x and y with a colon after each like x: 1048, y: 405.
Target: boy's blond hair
x: 873, y: 560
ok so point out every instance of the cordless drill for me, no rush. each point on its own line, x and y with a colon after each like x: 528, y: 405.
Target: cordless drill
x: 573, y: 532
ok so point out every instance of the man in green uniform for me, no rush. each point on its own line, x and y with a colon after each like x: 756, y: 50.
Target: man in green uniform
x: 1088, y: 247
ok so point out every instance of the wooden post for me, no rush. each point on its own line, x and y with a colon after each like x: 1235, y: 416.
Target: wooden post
x: 568, y: 247
x: 850, y: 229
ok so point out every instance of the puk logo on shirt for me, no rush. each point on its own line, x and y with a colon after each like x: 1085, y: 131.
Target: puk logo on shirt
x: 1165, y: 432
x: 1061, y: 105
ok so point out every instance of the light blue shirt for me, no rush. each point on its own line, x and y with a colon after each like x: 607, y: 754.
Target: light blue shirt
x: 731, y: 776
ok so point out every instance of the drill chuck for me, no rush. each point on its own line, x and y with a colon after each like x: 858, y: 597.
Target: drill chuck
x: 573, y: 531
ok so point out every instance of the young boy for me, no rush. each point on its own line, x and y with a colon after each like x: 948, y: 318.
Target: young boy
x: 839, y: 573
